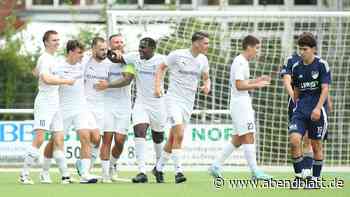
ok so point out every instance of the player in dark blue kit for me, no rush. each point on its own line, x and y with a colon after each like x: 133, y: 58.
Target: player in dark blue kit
x: 311, y: 78
x: 286, y: 75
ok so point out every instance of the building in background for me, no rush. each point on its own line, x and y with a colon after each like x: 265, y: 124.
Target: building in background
x: 90, y: 10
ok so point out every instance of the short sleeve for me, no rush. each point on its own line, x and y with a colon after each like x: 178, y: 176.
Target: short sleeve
x: 205, y: 63
x: 325, y: 73
x: 239, y: 71
x: 42, y: 66
x: 170, y: 60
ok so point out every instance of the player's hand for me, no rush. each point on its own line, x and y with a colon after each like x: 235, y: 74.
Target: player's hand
x: 316, y: 114
x: 205, y: 89
x: 264, y: 78
x: 157, y: 92
x: 69, y: 82
x: 262, y: 83
x: 101, y: 85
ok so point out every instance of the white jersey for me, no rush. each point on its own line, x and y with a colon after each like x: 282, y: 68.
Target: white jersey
x: 185, y: 72
x: 48, y: 94
x: 239, y: 71
x: 72, y: 98
x: 144, y: 73
x: 118, y: 98
x: 95, y: 71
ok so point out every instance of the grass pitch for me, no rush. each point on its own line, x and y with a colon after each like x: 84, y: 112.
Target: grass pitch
x: 199, y: 184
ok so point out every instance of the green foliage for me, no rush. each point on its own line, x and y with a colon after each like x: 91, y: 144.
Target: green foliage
x: 15, y: 69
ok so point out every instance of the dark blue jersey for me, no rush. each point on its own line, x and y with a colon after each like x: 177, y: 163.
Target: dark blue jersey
x: 309, y: 79
x: 287, y: 67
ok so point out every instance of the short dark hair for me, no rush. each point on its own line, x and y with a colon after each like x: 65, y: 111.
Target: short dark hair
x: 249, y: 41
x: 47, y: 35
x: 148, y: 42
x: 96, y: 40
x: 115, y: 35
x: 199, y: 35
x: 73, y: 44
x: 307, y: 39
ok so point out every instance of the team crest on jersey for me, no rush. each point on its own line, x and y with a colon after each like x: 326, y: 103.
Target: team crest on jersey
x: 314, y: 74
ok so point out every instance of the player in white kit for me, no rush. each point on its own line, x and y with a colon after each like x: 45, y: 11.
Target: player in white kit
x: 148, y: 111
x: 242, y: 112
x: 46, y: 113
x: 73, y: 106
x: 96, y: 69
x: 186, y: 68
x: 117, y: 110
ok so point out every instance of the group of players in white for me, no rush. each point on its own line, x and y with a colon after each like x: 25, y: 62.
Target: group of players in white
x: 92, y: 93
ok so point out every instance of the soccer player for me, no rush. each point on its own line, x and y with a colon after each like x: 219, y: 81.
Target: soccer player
x: 148, y: 110
x: 96, y: 68
x: 46, y: 112
x: 117, y: 110
x: 73, y: 105
x: 186, y: 68
x: 286, y: 74
x: 311, y: 78
x: 242, y: 112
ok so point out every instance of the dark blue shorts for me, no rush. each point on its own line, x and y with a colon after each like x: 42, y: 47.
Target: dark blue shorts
x: 301, y: 122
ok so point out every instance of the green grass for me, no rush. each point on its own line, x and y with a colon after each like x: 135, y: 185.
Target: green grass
x: 199, y: 184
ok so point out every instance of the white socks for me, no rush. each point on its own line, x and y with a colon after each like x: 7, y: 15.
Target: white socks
x: 250, y: 156
x: 30, y: 157
x: 60, y: 159
x: 177, y: 154
x: 140, y: 150
x: 105, y: 168
x: 158, y: 150
x: 226, y: 152
x: 162, y: 161
x: 46, y: 164
x: 85, y: 166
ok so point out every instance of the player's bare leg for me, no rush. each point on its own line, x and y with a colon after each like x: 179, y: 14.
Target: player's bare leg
x: 295, y: 140
x: 85, y: 155
x: 95, y: 139
x: 119, y: 141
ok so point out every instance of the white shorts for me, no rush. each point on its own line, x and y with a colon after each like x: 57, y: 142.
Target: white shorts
x: 118, y: 123
x: 242, y: 115
x: 83, y: 120
x: 153, y: 114
x: 98, y: 116
x: 177, y: 113
x: 48, y: 120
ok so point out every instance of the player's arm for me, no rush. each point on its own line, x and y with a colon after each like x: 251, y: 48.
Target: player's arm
x: 35, y: 72
x: 160, y: 72
x: 296, y: 94
x: 260, y: 82
x: 128, y: 75
x: 287, y: 80
x: 53, y: 80
x: 316, y: 113
x: 330, y: 103
x: 206, y: 83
